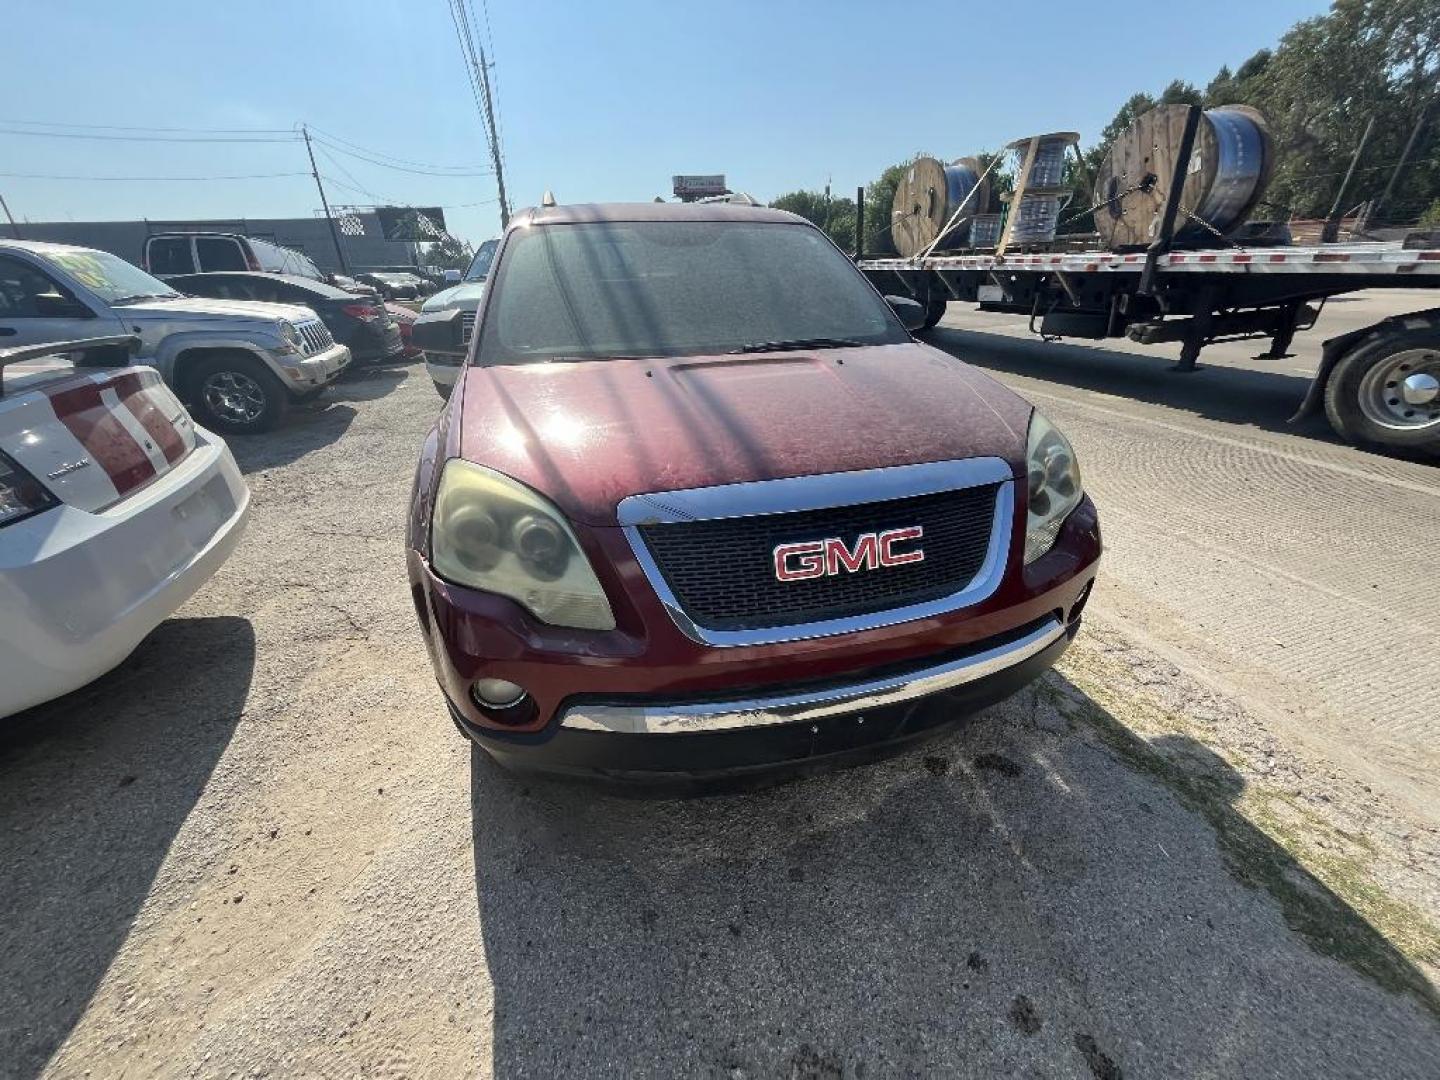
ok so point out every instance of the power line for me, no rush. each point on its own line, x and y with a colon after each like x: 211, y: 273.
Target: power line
x: 152, y: 179
x: 166, y: 130
x: 442, y: 170
x: 350, y: 176
x: 490, y: 41
x: 380, y: 200
x: 480, y: 91
x: 147, y: 138
x: 333, y: 139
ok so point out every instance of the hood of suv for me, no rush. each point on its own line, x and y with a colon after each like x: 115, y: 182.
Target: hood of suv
x: 465, y: 296
x: 202, y: 309
x: 587, y: 434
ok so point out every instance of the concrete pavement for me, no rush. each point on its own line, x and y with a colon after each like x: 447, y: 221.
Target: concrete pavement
x: 1287, y: 566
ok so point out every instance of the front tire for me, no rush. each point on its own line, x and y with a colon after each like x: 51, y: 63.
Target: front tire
x: 442, y: 389
x: 235, y: 394
x: 1385, y: 392
x: 934, y: 313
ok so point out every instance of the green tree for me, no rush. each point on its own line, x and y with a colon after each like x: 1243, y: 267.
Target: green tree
x: 1318, y: 88
x: 1326, y: 79
x: 450, y: 253
x: 835, y: 215
x: 879, y: 201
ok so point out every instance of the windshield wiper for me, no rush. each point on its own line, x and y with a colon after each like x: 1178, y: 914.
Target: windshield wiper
x: 798, y: 343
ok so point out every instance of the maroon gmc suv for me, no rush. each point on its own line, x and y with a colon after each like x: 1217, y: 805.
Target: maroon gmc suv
x: 700, y: 506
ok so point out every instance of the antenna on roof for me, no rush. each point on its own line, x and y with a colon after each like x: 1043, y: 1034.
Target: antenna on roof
x: 548, y: 199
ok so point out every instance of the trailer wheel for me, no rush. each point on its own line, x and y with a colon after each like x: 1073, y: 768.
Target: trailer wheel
x: 934, y: 313
x: 1386, y: 391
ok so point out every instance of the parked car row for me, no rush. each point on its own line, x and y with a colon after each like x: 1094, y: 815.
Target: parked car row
x: 360, y: 322
x: 645, y: 541
x: 115, y: 505
x: 239, y: 363
x: 178, y: 254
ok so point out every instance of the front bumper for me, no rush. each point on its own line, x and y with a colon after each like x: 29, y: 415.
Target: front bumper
x: 622, y: 688
x: 682, y: 746
x: 443, y: 370
x: 319, y: 370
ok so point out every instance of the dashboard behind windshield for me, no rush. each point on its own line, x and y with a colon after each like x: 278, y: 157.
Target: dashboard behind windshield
x: 595, y: 290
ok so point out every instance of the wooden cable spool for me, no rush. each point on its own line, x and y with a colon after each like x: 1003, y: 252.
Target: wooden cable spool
x: 1229, y: 170
x: 927, y: 197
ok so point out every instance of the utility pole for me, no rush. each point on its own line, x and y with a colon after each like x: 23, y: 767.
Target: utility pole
x: 494, y: 139
x: 334, y: 232
x: 10, y: 217
x: 1331, y: 231
x: 1404, y: 159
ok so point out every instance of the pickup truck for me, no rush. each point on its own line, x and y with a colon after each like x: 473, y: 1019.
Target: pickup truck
x: 237, y: 364
x: 464, y: 295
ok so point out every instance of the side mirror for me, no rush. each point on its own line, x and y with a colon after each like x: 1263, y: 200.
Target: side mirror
x: 440, y: 332
x: 452, y: 277
x: 911, y: 312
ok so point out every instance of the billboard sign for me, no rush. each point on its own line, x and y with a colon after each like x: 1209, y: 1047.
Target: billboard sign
x: 425, y: 223
x: 699, y: 187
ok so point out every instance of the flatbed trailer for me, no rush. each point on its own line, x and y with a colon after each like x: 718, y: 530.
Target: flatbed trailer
x: 1379, y: 385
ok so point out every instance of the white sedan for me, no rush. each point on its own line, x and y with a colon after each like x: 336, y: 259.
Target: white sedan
x: 114, y: 508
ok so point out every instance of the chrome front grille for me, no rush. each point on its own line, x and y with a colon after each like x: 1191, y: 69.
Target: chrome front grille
x: 711, y: 553
x: 467, y: 326
x: 315, y: 337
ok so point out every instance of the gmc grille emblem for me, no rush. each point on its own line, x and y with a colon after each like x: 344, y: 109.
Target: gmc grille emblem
x: 828, y: 557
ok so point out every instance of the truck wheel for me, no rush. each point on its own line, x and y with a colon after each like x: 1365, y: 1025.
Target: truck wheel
x: 236, y: 395
x: 934, y: 313
x: 442, y: 389
x: 1385, y: 392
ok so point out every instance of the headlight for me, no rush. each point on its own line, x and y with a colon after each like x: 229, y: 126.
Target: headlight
x: 489, y: 532
x: 1054, y: 485
x: 290, y: 336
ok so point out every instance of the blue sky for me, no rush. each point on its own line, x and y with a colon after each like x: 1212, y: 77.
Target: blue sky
x: 599, y: 100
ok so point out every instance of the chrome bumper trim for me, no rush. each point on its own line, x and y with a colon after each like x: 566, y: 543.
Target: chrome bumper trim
x: 812, y: 705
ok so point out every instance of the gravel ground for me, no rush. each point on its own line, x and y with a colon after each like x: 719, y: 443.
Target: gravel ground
x: 259, y: 849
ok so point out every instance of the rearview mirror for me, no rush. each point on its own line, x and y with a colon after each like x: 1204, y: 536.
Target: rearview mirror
x: 912, y: 314
x: 440, y: 332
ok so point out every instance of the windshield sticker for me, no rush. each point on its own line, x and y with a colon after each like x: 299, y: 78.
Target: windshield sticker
x: 85, y: 268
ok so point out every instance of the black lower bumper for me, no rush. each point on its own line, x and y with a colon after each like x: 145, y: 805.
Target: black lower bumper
x: 726, y: 759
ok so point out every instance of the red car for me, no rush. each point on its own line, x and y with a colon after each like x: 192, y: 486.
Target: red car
x: 404, y: 318
x: 700, y: 505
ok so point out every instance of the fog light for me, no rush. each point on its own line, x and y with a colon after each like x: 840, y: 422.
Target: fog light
x: 497, y: 693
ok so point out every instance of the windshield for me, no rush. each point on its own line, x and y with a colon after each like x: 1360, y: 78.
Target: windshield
x: 110, y: 277
x: 672, y: 288
x: 480, y: 265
